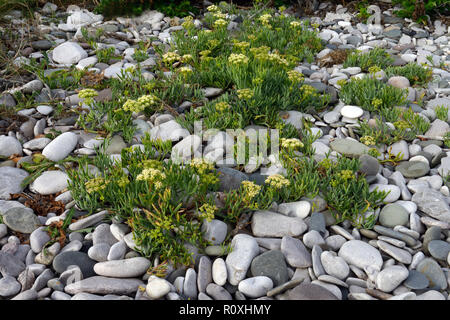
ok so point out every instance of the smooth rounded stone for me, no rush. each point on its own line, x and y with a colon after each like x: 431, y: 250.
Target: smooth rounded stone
x: 3, y: 230
x: 88, y: 221
x: 300, y: 209
x: 38, y: 239
x: 115, y: 145
x: 21, y: 220
x: 9, y: 286
x: 317, y: 268
x: 36, y: 144
x: 10, y: 181
x: 369, y: 165
x: 393, y: 215
x: 9, y: 146
x: 58, y: 295
x: 255, y: 287
x: 438, y: 129
x: 46, y: 257
x: 349, y: 148
x: 330, y: 287
x: 410, y: 241
x: 309, y: 291
x: 50, y: 182
x: 219, y: 272
x: 430, y: 295
x: 391, y: 277
x: 217, y: 292
x: 102, y: 234
x: 80, y: 259
x: 99, y: 252
x: 416, y: 280
x: 394, y: 242
x: 214, y: 231
x: 55, y: 284
x: 61, y: 146
x: 318, y: 222
x: 394, y: 191
x: 202, y: 297
x: 179, y: 284
x: 334, y: 265
x: 398, y: 254
x: 270, y: 264
x: 439, y: 249
x: 186, y: 148
x: 271, y: 224
x: 335, y: 242
x: 42, y: 280
x: 126, y: 268
x: 119, y: 230
x: 295, y: 252
x: 29, y: 294
x: 104, y: 285
x: 351, y: 112
x: 117, y: 251
x: 244, y: 249
x: 204, y: 276
x: 433, y: 203
x: 312, y: 238
x: 74, y: 245
x: 68, y: 53
x: 190, y: 284
x: 433, y: 272
x: 412, y: 169
x: 399, y: 82
x: 331, y: 117
x: 360, y: 254
x: 230, y: 179
x: 269, y: 243
x: 341, y: 231
x: 44, y: 110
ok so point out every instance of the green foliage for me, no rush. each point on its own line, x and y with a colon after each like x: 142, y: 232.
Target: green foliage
x: 418, y: 9
x: 371, y: 94
x: 363, y: 13
x: 416, y: 74
x: 106, y: 54
x: 179, y: 8
x: 441, y: 113
x: 447, y: 139
x: 375, y: 57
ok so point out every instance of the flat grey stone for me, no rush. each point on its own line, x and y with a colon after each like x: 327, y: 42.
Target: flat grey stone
x: 433, y: 272
x: 104, y: 285
x: 307, y: 291
x: 349, y: 148
x: 393, y: 215
x: 271, y: 224
x: 271, y: 264
x: 10, y: 181
x: 360, y: 254
x: 412, y: 169
x: 295, y: 252
x: 217, y: 292
x: 126, y: 268
x: 244, y: 249
x: 433, y: 203
x: 22, y: 220
x: 416, y: 280
x: 439, y: 249
x: 204, y: 276
x: 80, y: 259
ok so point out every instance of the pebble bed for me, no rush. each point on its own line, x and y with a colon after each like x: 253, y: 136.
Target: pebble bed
x: 292, y: 252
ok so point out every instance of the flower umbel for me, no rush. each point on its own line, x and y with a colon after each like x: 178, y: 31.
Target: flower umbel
x: 207, y: 211
x: 277, y: 181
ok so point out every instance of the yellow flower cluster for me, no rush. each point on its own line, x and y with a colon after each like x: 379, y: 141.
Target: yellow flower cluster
x: 219, y: 15
x: 374, y: 69
x: 245, y: 94
x: 295, y: 76
x: 250, y: 189
x: 238, y: 59
x: 291, y: 143
x: 282, y: 9
x: 277, y: 181
x: 87, y: 93
x: 222, y: 106
x: 241, y: 45
x: 401, y: 124
x: 341, y: 82
x: 262, y: 54
x: 123, y: 181
x: 95, y: 185
x: 201, y: 165
x: 308, y: 90
x: 213, y: 8
x: 205, y: 53
x: 326, y: 163
x: 213, y: 43
x: 151, y: 163
x: 132, y: 106
x: 265, y: 19
x: 377, y: 102
x: 171, y: 57
x: 257, y: 81
x: 220, y: 23
x: 153, y: 176
x: 185, y: 71
x: 346, y: 175
x: 207, y: 211
x: 186, y: 58
x: 368, y: 140
x: 188, y: 22
x: 147, y: 100
x: 295, y: 24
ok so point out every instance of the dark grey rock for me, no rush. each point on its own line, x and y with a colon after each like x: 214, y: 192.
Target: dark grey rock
x: 230, y: 179
x: 271, y: 264
x: 308, y: 291
x: 416, y: 280
x: 433, y: 272
x: 439, y: 249
x: 10, y: 264
x: 80, y: 259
